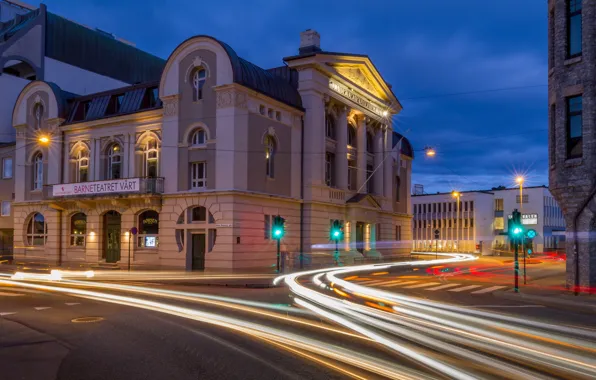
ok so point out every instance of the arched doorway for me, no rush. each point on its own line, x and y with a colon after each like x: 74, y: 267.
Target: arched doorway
x: 112, y: 226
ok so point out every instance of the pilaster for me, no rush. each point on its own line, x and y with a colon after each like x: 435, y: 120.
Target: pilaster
x: 380, y: 153
x: 361, y: 157
x: 169, y: 146
x: 341, y: 153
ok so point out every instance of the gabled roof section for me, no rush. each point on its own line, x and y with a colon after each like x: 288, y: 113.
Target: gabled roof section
x: 365, y: 199
x: 120, y: 101
x: 99, y: 52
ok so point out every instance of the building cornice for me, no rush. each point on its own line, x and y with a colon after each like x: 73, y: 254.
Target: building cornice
x: 155, y: 115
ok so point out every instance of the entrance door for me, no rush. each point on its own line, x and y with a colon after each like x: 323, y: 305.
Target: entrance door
x: 198, y: 251
x: 360, y: 237
x: 112, y: 236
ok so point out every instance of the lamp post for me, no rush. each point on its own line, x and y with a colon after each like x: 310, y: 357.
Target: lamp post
x: 520, y: 180
x: 457, y: 195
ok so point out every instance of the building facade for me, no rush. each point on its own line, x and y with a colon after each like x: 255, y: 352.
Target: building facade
x: 6, y: 200
x: 572, y: 127
x: 189, y: 170
x: 476, y: 221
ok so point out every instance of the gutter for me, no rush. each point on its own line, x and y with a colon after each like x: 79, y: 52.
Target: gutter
x: 576, y: 240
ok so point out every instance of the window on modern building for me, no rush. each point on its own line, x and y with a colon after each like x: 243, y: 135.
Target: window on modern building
x: 434, y: 207
x: 7, y: 167
x: 397, y: 233
x: 471, y: 205
x: 434, y: 223
x: 352, y: 135
x: 369, y: 181
x: 397, y: 189
x: 574, y: 28
x: 199, y: 75
x: 270, y: 150
x: 424, y: 223
x: 148, y: 229
x: 424, y: 208
x: 198, y: 214
x: 6, y: 208
x: 370, y: 143
x: 471, y: 222
x: 450, y: 223
x: 151, y: 159
x: 415, y: 209
x: 37, y: 230
x: 38, y: 171
x: 330, y: 169
x: 352, y: 174
x: 329, y: 126
x: 78, y: 229
x: 114, y: 162
x: 38, y: 114
x: 499, y: 223
x: 198, y: 137
x: 525, y: 198
x: 267, y: 227
x: 466, y: 206
x: 574, y: 127
x: 449, y: 206
x: 82, y: 166
x: 198, y: 175
x: 498, y: 204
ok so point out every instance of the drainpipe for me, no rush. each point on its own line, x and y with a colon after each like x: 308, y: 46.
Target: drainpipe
x: 302, y: 193
x: 576, y: 240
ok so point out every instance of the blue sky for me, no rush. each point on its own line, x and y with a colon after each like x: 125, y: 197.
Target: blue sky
x: 427, y: 49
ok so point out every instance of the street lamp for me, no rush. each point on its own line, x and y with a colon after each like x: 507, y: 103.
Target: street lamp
x: 44, y: 140
x: 457, y: 195
x: 520, y: 180
x: 430, y: 152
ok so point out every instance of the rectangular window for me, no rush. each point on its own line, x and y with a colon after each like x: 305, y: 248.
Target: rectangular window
x: 450, y: 223
x: 397, y: 233
x: 5, y: 208
x: 498, y: 204
x: 499, y: 223
x: 471, y: 222
x: 434, y: 223
x: 574, y: 28
x: 198, y: 175
x: 574, y: 127
x: 449, y: 206
x: 330, y: 169
x: 7, y: 167
x: 434, y: 207
x: 415, y: 209
x: 267, y: 227
x: 471, y: 205
x: 525, y: 198
x: 424, y: 207
x: 466, y: 206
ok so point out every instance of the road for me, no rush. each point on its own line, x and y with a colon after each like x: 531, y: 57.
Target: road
x: 378, y: 322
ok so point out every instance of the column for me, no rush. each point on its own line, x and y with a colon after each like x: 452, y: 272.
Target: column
x: 388, y: 163
x: 361, y: 158
x: 314, y: 141
x: 379, y: 163
x: 341, y: 151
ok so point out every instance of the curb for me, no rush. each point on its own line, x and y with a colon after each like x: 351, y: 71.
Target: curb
x: 549, y: 301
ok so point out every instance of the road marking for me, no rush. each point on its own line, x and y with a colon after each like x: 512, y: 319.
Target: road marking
x: 390, y: 283
x: 375, y: 282
x: 9, y: 313
x: 487, y: 290
x: 406, y: 283
x: 7, y: 294
x: 443, y: 287
x: 465, y: 288
x: 71, y: 303
x: 422, y: 285
x: 42, y: 307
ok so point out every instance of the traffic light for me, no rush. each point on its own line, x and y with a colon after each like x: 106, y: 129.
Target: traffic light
x: 279, y: 227
x: 337, y: 231
x: 516, y: 229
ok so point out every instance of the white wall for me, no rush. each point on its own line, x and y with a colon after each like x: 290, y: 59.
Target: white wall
x: 10, y: 88
x: 76, y: 80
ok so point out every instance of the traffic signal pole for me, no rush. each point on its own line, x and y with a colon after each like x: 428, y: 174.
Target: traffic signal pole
x: 516, y: 269
x: 278, y: 263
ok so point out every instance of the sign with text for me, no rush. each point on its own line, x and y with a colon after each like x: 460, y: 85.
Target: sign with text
x: 349, y: 94
x: 114, y: 186
x: 528, y: 219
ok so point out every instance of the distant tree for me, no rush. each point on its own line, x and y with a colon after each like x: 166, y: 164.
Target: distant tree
x: 499, y: 188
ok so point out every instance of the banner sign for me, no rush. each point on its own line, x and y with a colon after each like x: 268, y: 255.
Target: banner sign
x: 114, y: 186
x: 528, y: 219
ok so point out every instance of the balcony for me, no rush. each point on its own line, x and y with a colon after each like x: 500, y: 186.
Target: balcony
x: 106, y: 188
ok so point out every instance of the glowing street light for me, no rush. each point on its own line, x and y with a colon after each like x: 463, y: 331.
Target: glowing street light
x: 430, y: 152
x: 44, y: 140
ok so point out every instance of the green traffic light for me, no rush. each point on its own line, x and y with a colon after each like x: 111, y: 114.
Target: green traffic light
x: 335, y: 233
x: 517, y: 230
x: 278, y: 232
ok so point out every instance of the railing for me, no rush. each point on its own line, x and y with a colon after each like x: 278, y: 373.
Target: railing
x: 337, y: 195
x: 113, y: 187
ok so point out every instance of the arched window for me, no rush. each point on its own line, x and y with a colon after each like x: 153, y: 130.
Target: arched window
x: 198, y: 137
x: 198, y: 81
x: 351, y: 135
x: 38, y: 171
x: 38, y: 114
x: 397, y: 186
x: 151, y: 159
x: 269, y: 155
x: 78, y: 229
x: 148, y: 229
x: 82, y: 166
x: 37, y: 230
x: 370, y: 143
x: 330, y: 126
x: 114, y: 169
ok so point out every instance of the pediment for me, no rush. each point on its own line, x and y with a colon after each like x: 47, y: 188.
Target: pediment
x: 357, y: 76
x: 364, y: 200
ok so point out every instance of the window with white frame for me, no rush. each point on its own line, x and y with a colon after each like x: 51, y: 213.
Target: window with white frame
x: 7, y: 167
x: 82, y: 166
x: 37, y: 230
x: 199, y: 76
x: 6, y: 208
x: 78, y: 229
x: 114, y: 162
x: 148, y: 229
x: 270, y: 156
x: 198, y: 175
x: 38, y: 171
x: 198, y: 137
x: 151, y: 159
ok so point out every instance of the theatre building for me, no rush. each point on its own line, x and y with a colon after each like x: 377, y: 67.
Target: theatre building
x: 187, y: 171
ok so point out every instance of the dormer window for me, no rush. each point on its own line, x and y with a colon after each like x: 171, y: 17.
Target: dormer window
x: 115, y: 104
x: 82, y: 111
x: 199, y: 76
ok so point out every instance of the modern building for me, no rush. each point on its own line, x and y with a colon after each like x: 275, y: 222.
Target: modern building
x: 476, y: 221
x: 189, y: 170
x: 572, y: 130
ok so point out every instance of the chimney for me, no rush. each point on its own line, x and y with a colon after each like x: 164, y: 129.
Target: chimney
x: 310, y: 42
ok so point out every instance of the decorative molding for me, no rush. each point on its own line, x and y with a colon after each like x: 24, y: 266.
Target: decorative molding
x: 232, y: 98
x: 170, y: 105
x: 356, y: 75
x: 197, y: 62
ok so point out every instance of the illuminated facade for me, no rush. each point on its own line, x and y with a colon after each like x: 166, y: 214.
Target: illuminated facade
x: 478, y: 221
x: 188, y: 171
